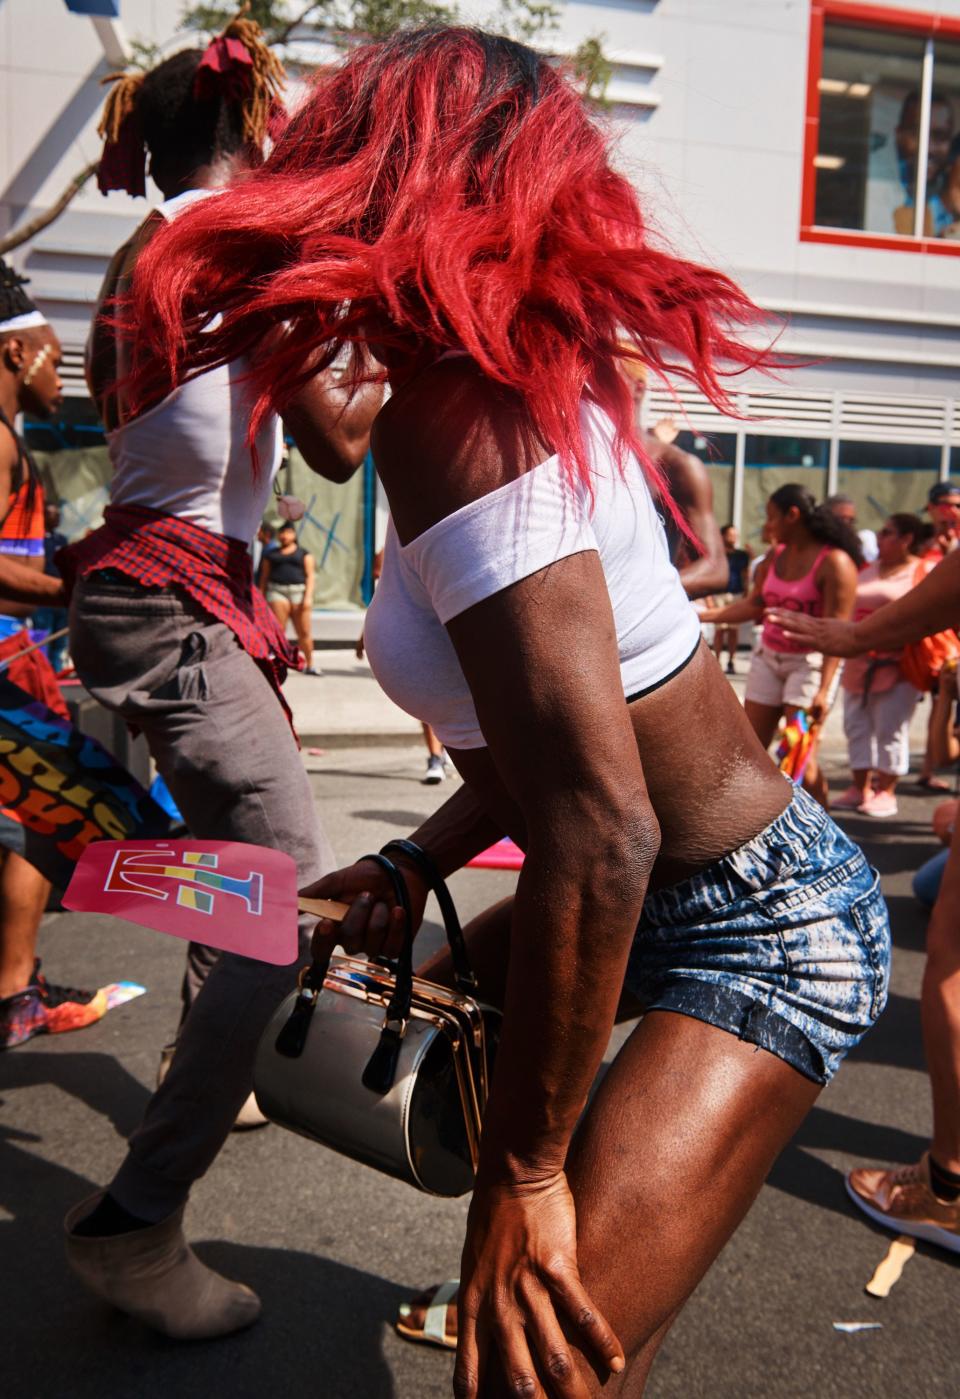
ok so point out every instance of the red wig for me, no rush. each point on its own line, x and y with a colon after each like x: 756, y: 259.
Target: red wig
x: 442, y: 188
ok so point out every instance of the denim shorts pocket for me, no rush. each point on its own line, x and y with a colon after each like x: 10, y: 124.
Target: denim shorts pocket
x: 872, y: 921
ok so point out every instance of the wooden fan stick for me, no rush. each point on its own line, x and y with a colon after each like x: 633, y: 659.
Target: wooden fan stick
x: 324, y: 908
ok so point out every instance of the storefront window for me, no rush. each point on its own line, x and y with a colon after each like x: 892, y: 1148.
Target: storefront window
x: 866, y: 167
x: 943, y: 200
x: 717, y: 452
x: 874, y: 166
x: 772, y: 462
x: 883, y: 478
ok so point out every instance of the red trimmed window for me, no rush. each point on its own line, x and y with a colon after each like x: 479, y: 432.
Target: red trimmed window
x: 882, y: 149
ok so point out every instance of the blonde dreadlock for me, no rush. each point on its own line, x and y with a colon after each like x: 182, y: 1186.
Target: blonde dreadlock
x: 267, y: 75
x: 120, y: 104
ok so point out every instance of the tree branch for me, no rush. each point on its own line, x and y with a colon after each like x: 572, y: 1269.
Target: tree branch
x: 29, y: 230
x: 282, y: 35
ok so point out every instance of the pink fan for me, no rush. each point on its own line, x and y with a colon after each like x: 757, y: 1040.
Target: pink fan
x: 505, y: 855
x: 240, y: 898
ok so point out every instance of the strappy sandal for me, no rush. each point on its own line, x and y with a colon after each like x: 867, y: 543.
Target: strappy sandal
x: 434, y: 1331
x: 933, y: 784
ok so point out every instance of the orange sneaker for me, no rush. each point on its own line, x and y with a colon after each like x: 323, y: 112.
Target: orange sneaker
x: 903, y: 1201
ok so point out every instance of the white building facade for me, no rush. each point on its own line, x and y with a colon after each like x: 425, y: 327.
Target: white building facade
x: 810, y: 148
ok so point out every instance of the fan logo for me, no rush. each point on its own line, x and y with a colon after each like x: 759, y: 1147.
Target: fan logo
x: 196, y: 880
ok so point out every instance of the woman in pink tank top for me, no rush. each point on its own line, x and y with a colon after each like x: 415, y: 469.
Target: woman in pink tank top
x: 811, y: 568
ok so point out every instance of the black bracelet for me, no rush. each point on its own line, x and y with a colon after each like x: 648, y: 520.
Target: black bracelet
x: 424, y: 862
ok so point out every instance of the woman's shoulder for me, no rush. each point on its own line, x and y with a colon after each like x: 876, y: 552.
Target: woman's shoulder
x: 833, y: 559
x: 447, y: 438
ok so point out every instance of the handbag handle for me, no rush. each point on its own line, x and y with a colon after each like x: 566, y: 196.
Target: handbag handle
x: 463, y: 976
x: 380, y: 1072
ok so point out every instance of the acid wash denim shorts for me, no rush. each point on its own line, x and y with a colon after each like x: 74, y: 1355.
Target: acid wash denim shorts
x: 785, y: 943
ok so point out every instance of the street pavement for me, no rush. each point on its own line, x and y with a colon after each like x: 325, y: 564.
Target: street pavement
x: 333, y: 1247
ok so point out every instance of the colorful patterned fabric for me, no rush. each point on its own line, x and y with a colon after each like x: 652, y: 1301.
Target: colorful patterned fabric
x: 160, y: 551
x: 42, y: 1009
x: 59, y: 790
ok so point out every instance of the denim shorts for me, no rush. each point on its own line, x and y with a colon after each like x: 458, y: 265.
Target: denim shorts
x: 785, y: 942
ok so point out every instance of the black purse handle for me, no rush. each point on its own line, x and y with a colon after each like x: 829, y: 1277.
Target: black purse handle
x: 380, y: 1072
x: 463, y: 976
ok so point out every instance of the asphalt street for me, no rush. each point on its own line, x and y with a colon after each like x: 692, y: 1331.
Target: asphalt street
x: 333, y: 1247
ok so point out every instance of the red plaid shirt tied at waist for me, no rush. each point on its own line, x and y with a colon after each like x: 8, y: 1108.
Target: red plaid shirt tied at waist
x: 158, y: 551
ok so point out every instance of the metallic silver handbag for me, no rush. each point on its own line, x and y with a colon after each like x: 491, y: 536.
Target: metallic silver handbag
x: 382, y: 1066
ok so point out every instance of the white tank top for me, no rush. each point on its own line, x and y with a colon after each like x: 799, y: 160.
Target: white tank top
x: 188, y: 455
x: 507, y: 535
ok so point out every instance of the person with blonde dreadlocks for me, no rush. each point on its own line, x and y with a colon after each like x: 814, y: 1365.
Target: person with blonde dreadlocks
x: 167, y: 630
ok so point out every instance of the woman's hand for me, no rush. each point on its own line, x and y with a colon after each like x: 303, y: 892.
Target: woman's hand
x: 819, y: 706
x: 830, y: 636
x: 519, y: 1284
x: 375, y: 923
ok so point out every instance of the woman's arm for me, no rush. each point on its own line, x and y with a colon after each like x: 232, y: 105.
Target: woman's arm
x: 745, y: 609
x: 689, y: 482
x: 838, y: 581
x: 27, y: 585
x: 542, y: 663
x: 309, y: 575
x: 331, y: 426
x: 932, y: 606
x: 263, y: 577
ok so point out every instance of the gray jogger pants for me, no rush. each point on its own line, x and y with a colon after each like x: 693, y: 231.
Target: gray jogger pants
x: 227, y: 753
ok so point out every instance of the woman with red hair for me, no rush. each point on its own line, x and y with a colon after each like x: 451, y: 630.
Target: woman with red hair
x: 445, y: 200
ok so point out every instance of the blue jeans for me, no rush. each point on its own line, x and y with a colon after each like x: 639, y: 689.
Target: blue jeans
x: 784, y: 942
x: 927, y: 880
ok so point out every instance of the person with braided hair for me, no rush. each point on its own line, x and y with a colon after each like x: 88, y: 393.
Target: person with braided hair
x: 29, y: 357
x: 168, y: 631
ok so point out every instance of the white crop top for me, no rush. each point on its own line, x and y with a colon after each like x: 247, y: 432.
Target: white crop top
x: 188, y: 455
x: 510, y: 534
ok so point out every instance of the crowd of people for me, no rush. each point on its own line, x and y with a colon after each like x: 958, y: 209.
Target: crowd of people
x: 534, y: 613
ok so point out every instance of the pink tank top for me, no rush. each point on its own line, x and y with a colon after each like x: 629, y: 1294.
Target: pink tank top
x: 800, y: 595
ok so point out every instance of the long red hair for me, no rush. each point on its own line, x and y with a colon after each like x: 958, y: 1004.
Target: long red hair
x: 449, y: 189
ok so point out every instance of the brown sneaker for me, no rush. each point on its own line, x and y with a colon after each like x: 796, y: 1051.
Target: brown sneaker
x: 902, y: 1200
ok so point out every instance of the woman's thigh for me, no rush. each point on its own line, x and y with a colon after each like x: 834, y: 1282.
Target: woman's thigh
x: 764, y: 719
x: 678, y: 1140
x: 212, y: 721
x: 280, y: 608
x: 302, y: 621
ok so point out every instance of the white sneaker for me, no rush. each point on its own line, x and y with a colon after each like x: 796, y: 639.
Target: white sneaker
x: 435, y: 772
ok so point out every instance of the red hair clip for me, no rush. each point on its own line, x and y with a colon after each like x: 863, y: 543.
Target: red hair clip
x: 225, y: 71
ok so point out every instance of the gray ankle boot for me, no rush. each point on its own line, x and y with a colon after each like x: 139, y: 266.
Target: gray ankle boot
x: 153, y: 1274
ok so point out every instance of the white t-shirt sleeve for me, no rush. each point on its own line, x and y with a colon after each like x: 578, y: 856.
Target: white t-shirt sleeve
x: 505, y: 536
